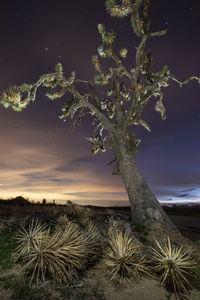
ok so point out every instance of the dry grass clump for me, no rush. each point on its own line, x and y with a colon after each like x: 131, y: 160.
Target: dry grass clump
x: 59, y: 255
x: 123, y: 257
x: 174, y: 266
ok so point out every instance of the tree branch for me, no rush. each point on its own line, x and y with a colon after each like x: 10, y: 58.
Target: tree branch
x: 107, y: 124
x: 118, y: 102
x: 185, y: 81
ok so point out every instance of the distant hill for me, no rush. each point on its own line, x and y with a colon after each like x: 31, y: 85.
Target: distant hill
x: 17, y: 201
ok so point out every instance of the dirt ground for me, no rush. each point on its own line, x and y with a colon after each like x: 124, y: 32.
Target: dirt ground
x: 146, y: 289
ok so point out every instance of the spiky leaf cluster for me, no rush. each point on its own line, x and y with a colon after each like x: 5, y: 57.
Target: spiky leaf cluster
x: 16, y: 97
x: 27, y: 238
x: 59, y: 255
x: 117, y: 10
x: 104, y: 51
x: 97, y: 144
x: 123, y: 257
x: 174, y: 265
x: 93, y: 241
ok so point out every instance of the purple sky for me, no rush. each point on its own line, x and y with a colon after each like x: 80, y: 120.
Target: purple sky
x: 42, y: 158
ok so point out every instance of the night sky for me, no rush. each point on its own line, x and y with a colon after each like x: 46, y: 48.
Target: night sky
x: 42, y: 158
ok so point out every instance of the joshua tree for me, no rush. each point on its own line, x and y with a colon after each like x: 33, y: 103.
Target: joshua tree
x: 134, y: 86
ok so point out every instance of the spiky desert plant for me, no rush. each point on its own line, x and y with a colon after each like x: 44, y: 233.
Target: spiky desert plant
x: 93, y: 241
x: 123, y: 257
x: 59, y: 255
x: 115, y: 224
x: 71, y: 210
x: 28, y: 238
x: 174, y: 266
x: 87, y: 215
x: 61, y: 223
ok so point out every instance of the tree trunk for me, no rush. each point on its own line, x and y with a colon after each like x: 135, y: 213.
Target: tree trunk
x: 143, y: 202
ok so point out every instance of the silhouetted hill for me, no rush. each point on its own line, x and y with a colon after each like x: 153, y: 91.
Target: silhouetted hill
x: 16, y: 201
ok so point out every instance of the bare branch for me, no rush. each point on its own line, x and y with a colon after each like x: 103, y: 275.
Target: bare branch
x: 158, y: 33
x: 112, y: 161
x: 185, y: 81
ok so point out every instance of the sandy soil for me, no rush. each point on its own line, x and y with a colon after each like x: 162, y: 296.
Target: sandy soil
x: 5, y: 294
x: 146, y: 289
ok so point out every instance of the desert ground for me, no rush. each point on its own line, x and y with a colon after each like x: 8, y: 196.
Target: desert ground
x: 95, y: 279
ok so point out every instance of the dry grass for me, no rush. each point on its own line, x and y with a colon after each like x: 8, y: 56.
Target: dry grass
x: 123, y: 257
x: 174, y: 266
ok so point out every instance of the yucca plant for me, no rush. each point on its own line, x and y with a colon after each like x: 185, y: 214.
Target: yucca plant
x: 59, y: 255
x: 71, y: 210
x: 89, y: 213
x: 174, y: 266
x: 123, y: 257
x: 93, y: 241
x: 115, y: 224
x: 61, y: 222
x: 28, y: 238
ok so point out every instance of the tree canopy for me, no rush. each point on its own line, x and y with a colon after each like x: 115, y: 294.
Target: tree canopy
x: 135, y: 85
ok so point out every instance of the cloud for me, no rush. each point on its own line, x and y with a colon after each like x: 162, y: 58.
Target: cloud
x: 39, y: 169
x: 187, y: 190
x: 184, y: 195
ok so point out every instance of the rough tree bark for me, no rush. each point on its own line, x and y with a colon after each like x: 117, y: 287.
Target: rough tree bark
x: 143, y: 202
